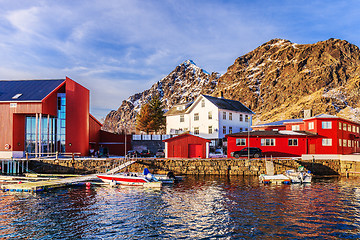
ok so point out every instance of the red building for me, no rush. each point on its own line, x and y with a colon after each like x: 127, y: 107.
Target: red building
x: 322, y: 134
x: 186, y: 146
x: 45, y: 116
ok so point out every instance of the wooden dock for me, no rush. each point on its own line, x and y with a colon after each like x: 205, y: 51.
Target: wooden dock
x: 56, y: 182
x: 46, y: 185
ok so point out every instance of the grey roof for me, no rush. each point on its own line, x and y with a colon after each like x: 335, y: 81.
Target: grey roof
x: 175, y: 111
x: 30, y: 90
x: 228, y: 104
x: 279, y: 123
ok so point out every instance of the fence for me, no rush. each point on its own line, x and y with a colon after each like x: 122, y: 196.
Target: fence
x: 151, y: 137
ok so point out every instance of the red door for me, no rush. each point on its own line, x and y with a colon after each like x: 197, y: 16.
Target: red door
x: 195, y: 151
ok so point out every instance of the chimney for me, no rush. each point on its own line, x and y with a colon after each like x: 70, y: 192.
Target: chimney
x: 307, y: 113
x: 221, y: 95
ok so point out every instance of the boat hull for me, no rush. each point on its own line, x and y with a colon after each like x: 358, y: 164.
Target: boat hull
x: 128, y: 180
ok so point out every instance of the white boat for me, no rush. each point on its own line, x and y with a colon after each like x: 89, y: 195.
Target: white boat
x: 131, y: 179
x: 299, y: 176
x: 279, y: 178
x: 168, y: 178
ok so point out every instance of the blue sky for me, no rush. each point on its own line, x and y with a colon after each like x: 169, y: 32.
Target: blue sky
x: 117, y: 48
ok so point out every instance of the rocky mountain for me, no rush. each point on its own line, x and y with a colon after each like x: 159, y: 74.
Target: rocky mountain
x: 183, y: 84
x: 279, y: 79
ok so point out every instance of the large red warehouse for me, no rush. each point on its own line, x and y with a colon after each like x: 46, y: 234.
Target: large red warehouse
x: 45, y: 116
x: 187, y: 146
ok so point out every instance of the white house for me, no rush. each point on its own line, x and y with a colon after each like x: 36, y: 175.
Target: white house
x: 209, y: 117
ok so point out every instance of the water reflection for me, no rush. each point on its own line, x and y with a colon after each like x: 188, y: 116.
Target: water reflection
x: 206, y: 207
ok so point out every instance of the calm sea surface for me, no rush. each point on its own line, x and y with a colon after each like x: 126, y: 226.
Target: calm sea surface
x: 197, y: 208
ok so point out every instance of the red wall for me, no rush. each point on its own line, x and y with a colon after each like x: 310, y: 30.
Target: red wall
x: 281, y: 148
x: 77, y: 118
x: 94, y: 129
x: 18, y: 132
x: 179, y: 146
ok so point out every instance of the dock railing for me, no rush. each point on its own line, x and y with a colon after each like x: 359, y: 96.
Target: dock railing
x: 55, y: 155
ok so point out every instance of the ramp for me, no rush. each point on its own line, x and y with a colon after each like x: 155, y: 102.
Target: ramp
x: 122, y: 166
x: 269, y: 165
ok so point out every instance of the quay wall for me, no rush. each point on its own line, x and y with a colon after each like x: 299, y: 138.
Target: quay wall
x: 218, y: 166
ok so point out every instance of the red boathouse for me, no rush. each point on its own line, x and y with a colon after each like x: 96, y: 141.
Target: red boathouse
x: 186, y: 146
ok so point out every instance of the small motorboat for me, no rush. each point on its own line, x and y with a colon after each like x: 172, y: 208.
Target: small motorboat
x: 279, y: 178
x: 131, y: 179
x: 299, y: 176
x: 168, y: 178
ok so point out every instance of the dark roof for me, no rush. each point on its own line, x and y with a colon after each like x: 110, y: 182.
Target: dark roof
x: 279, y: 123
x: 30, y: 90
x: 273, y: 133
x: 228, y: 104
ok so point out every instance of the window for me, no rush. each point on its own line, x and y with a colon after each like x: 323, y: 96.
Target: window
x: 327, y: 142
x: 268, y: 142
x: 354, y: 129
x: 230, y: 130
x: 349, y: 128
x: 240, y: 129
x: 340, y: 126
x: 357, y: 129
x: 182, y: 118
x: 209, y: 115
x: 344, y: 142
x: 293, y: 142
x: 295, y: 127
x: 196, y: 116
x: 210, y: 130
x: 241, y: 142
x: 241, y: 118
x: 16, y: 96
x: 185, y: 129
x: 311, y: 125
x: 246, y: 129
x: 344, y: 126
x: 224, y: 115
x: 246, y: 118
x: 196, y: 130
x: 340, y: 142
x: 224, y: 129
x: 230, y: 116
x: 349, y: 143
x: 326, y: 125
x: 203, y: 103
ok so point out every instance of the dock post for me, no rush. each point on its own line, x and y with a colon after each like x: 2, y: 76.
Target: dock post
x: 73, y: 156
x: 22, y: 167
x: 2, y: 166
x: 8, y: 167
x: 27, y: 165
x: 56, y: 155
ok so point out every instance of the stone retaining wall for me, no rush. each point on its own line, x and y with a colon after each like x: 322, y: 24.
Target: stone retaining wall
x: 196, y: 166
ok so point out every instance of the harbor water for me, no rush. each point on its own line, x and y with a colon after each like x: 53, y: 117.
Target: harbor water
x: 199, y: 207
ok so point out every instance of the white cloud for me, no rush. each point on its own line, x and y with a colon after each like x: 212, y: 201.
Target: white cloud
x: 117, y: 48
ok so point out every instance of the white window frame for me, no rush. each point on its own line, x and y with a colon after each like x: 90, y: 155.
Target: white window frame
x: 326, y: 124
x: 344, y: 143
x: 224, y: 129
x: 311, y: 125
x: 295, y: 128
x: 182, y: 118
x: 340, y: 126
x: 241, y: 142
x: 230, y: 116
x: 210, y: 115
x: 344, y: 126
x: 210, y: 130
x: 326, y: 142
x: 268, y: 142
x: 203, y: 103
x: 340, y: 142
x: 196, y: 117
x: 196, y: 131
x: 224, y: 115
x: 246, y: 118
x: 293, y: 142
x: 349, y: 128
x: 230, y: 130
x: 241, y: 118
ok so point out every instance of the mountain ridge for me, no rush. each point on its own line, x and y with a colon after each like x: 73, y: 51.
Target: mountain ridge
x: 277, y: 80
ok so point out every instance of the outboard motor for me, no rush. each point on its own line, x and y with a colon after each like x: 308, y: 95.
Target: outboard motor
x: 146, y: 171
x: 170, y: 175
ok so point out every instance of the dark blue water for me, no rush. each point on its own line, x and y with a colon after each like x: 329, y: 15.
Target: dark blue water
x: 197, y: 208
